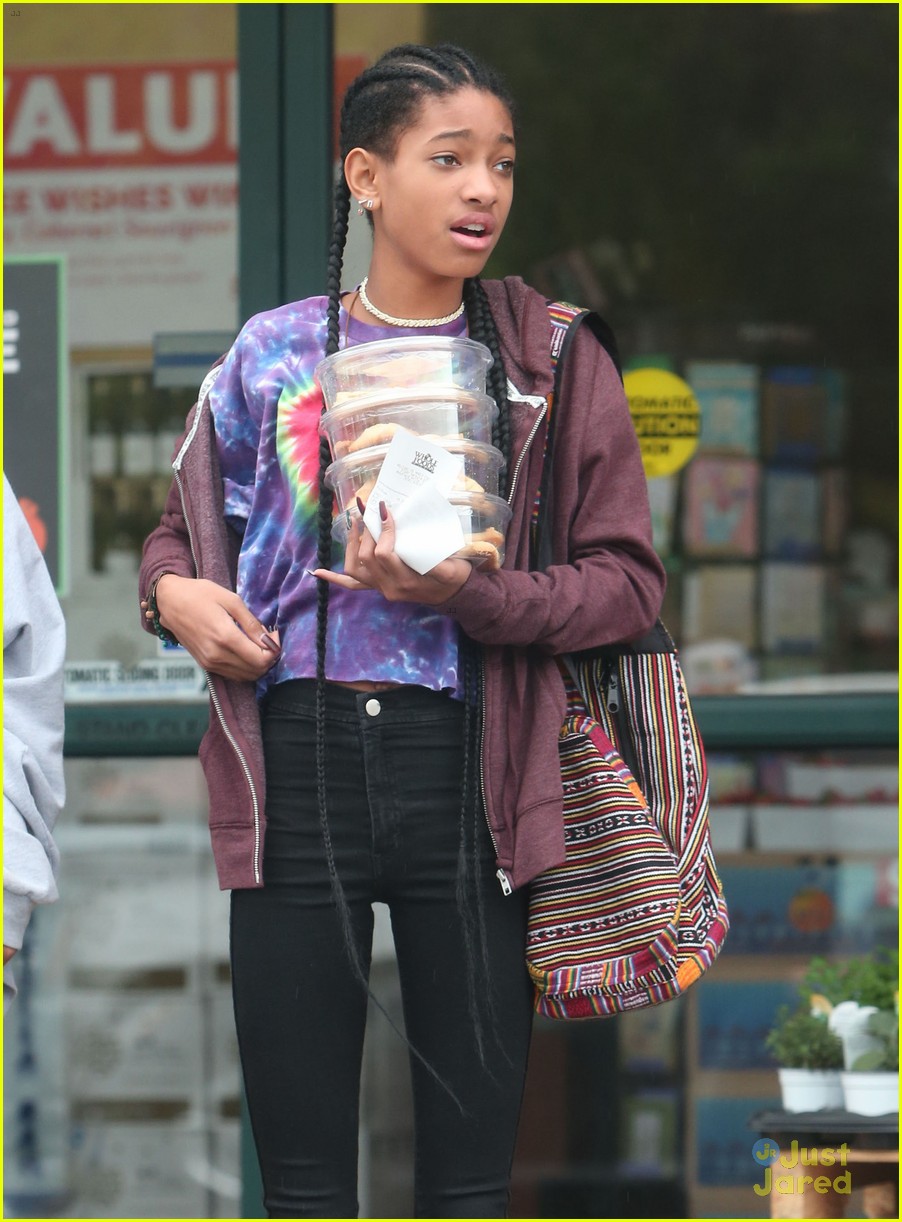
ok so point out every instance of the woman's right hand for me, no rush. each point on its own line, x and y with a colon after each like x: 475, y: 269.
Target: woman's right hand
x: 215, y: 627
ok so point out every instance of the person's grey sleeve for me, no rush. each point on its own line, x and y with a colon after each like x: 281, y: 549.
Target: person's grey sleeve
x: 34, y: 647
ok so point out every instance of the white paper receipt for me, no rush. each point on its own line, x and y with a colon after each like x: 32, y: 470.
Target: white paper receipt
x: 414, y: 482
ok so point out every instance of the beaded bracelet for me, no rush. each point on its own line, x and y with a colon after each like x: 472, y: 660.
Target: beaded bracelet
x: 163, y: 633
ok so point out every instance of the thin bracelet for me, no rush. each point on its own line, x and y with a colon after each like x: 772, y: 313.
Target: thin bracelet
x: 163, y: 633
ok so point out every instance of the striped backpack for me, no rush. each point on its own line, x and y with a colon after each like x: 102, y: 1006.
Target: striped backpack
x: 636, y: 912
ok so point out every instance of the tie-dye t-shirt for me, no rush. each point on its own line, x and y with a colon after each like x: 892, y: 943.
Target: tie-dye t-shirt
x: 266, y: 408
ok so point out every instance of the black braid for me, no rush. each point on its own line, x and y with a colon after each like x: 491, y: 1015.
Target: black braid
x: 481, y: 327
x: 324, y: 561
x: 342, y: 202
x: 342, y: 199
x: 382, y: 102
x: 472, y: 908
x: 378, y: 106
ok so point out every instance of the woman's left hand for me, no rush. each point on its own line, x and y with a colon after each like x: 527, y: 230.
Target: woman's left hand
x: 372, y: 565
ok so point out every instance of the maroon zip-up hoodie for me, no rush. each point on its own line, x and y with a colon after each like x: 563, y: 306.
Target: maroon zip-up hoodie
x: 605, y: 584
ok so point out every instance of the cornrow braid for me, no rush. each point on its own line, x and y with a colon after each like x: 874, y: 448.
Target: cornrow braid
x: 381, y: 102
x: 378, y: 106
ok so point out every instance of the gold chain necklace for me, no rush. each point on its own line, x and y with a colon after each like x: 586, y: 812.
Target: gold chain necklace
x: 405, y: 322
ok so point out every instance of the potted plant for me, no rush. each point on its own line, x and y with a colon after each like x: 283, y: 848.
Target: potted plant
x: 871, y: 1087
x: 809, y: 1056
x: 850, y: 994
x: 871, y: 980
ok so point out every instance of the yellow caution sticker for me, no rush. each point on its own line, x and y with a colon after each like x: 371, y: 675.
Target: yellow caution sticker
x: 666, y: 417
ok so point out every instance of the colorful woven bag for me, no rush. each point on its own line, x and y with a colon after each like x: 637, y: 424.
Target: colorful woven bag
x: 636, y: 913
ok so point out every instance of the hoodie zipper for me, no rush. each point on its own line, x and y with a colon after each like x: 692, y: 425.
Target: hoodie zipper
x: 242, y: 760
x: 501, y: 874
x: 537, y: 401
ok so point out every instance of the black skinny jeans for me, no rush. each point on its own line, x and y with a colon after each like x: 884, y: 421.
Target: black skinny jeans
x: 394, y: 764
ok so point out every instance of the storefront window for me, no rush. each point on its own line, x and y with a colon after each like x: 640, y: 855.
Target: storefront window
x: 720, y: 182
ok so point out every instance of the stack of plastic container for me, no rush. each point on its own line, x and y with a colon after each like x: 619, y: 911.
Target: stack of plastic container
x: 429, y: 386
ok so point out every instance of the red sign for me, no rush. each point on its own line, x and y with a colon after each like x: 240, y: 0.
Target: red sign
x: 120, y: 115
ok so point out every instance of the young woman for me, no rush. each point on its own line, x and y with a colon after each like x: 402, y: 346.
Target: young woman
x: 377, y: 734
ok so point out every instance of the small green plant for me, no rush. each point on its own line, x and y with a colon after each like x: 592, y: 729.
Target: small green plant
x: 884, y: 1026
x: 824, y: 978
x: 871, y: 980
x: 802, y: 1040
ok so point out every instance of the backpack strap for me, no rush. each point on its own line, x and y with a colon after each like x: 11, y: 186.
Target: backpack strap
x: 565, y: 322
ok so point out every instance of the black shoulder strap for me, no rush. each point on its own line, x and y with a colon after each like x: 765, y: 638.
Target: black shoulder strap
x: 566, y: 320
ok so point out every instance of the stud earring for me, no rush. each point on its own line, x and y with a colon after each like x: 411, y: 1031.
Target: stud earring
x: 362, y: 204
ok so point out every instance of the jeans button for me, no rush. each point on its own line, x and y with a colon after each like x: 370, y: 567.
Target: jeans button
x: 373, y: 707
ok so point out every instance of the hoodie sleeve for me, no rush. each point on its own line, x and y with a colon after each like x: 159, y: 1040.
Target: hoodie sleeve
x: 606, y: 583
x: 34, y: 646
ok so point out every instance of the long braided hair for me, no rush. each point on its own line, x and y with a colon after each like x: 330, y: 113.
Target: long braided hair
x: 379, y: 105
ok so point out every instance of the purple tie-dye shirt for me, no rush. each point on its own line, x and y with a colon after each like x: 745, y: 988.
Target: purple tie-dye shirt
x: 266, y: 408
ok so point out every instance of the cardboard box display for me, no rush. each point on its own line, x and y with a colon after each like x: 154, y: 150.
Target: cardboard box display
x: 838, y: 827
x: 134, y: 1045
x: 825, y: 780
x: 729, y: 827
x: 215, y: 913
x: 224, y: 1070
x: 34, y: 1055
x: 135, y: 791
x: 131, y: 902
x: 149, y: 1169
x: 225, y: 1169
x: 732, y: 778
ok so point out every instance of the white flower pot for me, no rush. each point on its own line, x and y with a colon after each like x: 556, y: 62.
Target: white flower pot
x: 810, y: 1090
x: 850, y: 1022
x: 871, y: 1094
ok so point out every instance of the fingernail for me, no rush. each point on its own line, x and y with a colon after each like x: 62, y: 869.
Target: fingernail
x: 383, y: 511
x: 361, y: 506
x: 268, y: 643
x: 310, y: 572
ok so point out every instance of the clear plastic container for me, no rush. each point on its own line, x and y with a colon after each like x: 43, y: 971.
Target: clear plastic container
x: 355, y: 475
x: 405, y: 362
x: 438, y: 414
x: 484, y: 520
